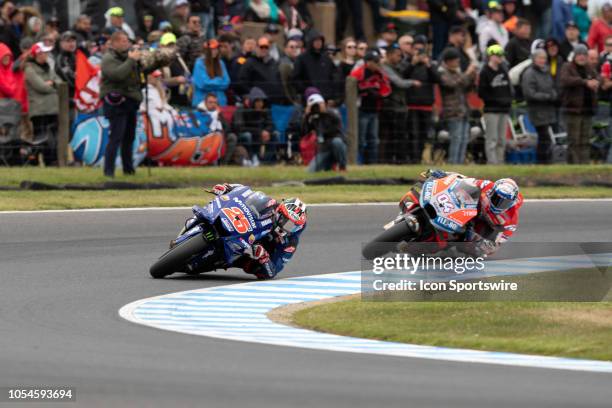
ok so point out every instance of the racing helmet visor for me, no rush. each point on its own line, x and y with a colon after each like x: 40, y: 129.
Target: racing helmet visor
x: 500, y: 203
x: 288, y: 225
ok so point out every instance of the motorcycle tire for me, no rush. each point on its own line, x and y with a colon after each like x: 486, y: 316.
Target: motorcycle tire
x: 397, y: 233
x: 175, y: 259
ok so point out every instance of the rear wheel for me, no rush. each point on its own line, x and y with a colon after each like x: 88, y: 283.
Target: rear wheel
x: 383, y: 243
x: 176, y: 258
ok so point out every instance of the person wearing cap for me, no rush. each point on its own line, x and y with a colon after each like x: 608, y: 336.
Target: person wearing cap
x: 176, y: 76
x: 492, y: 29
x: 315, y: 68
x: 393, y: 133
x: 454, y: 86
x: 519, y: 46
x: 41, y: 83
x: 601, y: 28
x: 580, y: 15
x: 579, y: 85
x: 116, y: 21
x: 261, y: 71
x: 253, y: 124
x: 325, y: 124
x: 120, y: 91
x: 495, y: 89
x: 191, y: 44
x: 65, y: 61
x: 146, y: 26
x: 457, y: 36
x: 442, y: 14
x: 561, y: 14
x: 210, y: 75
x: 271, y: 32
x: 387, y: 37
x: 572, y: 39
x: 510, y: 17
x: 542, y: 97
x: 373, y: 85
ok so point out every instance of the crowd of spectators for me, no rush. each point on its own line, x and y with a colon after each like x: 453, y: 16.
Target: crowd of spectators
x: 550, y: 56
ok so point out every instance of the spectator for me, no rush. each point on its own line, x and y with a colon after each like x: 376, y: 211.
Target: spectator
x: 579, y: 84
x: 555, y: 60
x: 373, y: 85
x: 393, y: 135
x: 116, y: 22
x: 65, y: 61
x: 155, y: 105
x: 210, y: 106
x: 191, y: 44
x: 315, y: 68
x: 355, y: 10
x: 442, y: 15
x: 262, y: 71
x: 510, y: 17
x: 348, y: 54
x: 601, y: 28
x: 519, y: 46
x: 457, y: 36
x: 387, y: 37
x: 572, y: 39
x: 99, y: 51
x: 248, y: 47
x: 227, y: 10
x: 177, y: 76
x: 82, y: 31
x: 204, y: 9
x: 263, y: 11
x: 33, y: 30
x: 297, y: 15
x: 406, y: 43
x: 291, y: 53
x: 120, y: 91
x: 253, y: 124
x: 179, y: 16
x: 271, y: 32
x: 541, y: 95
x: 495, y: 89
x: 11, y: 81
x: 420, y: 101
x: 210, y: 75
x: 593, y: 59
x: 362, y: 49
x: 148, y: 26
x: 454, y: 86
x: 7, y: 34
x: 41, y: 83
x: 326, y: 125
x: 581, y: 17
x: 492, y: 29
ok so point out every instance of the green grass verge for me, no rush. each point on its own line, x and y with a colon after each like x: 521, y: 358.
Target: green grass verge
x: 580, y: 330
x: 64, y: 199
x: 195, y: 176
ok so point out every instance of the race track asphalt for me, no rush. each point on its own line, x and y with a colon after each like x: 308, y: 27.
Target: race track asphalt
x: 65, y: 275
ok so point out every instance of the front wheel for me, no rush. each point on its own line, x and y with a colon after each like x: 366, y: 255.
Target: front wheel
x: 379, y: 246
x: 176, y: 258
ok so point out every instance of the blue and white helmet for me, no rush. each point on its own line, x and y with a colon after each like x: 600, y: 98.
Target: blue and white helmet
x: 503, y: 195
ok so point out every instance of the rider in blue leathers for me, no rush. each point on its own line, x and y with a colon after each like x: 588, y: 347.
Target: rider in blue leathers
x: 271, y: 253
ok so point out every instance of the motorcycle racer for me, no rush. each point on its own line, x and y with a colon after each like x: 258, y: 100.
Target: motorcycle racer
x: 269, y: 254
x: 498, y: 212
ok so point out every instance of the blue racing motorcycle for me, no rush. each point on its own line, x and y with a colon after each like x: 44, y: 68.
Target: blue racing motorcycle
x: 218, y: 234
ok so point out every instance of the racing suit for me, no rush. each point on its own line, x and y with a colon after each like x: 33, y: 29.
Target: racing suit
x: 479, y: 232
x: 270, y: 253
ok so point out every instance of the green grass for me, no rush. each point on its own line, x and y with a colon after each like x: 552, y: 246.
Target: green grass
x: 195, y: 176
x: 580, y: 330
x: 63, y: 199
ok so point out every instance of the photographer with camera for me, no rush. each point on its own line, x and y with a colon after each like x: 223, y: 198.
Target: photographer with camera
x: 120, y: 89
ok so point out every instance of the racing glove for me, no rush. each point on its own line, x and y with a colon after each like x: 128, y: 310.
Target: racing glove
x: 221, y: 189
x: 260, y: 254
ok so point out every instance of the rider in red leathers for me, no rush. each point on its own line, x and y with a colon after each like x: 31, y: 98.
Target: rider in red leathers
x: 499, y: 206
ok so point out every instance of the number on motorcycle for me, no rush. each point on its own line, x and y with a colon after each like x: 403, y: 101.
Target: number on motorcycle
x: 446, y: 202
x: 239, y: 221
